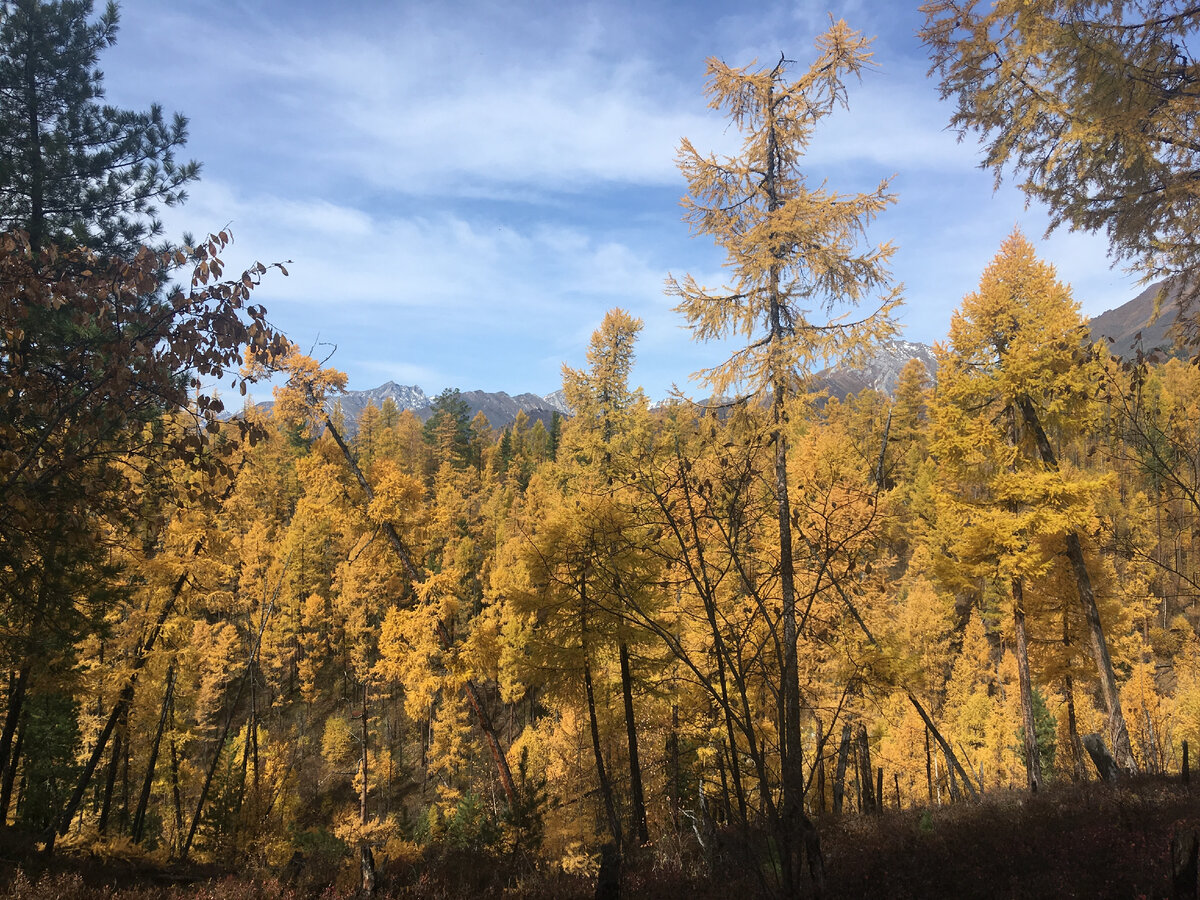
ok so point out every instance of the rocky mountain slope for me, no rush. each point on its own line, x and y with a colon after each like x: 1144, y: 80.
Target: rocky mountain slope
x: 880, y: 372
x: 1122, y: 326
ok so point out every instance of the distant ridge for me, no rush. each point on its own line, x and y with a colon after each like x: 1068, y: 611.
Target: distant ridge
x: 1121, y: 326
x: 880, y: 372
x: 500, y: 408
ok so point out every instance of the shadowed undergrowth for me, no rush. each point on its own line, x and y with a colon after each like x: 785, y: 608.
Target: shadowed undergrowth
x: 1089, y: 840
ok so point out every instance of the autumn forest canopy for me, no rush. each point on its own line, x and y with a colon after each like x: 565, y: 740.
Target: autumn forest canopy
x: 641, y: 635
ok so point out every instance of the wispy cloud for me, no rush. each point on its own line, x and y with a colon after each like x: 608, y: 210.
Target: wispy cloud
x: 464, y: 191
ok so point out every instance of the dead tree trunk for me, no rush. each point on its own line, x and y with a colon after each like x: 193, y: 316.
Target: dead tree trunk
x: 1105, y: 764
x: 1185, y: 865
x: 951, y: 759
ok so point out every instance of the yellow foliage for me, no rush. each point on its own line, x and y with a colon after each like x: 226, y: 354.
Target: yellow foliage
x: 337, y: 744
x: 1149, y: 716
x: 399, y: 496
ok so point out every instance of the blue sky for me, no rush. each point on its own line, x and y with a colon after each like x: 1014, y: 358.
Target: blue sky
x: 465, y: 188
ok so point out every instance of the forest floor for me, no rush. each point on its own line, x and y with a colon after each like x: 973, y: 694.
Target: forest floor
x: 1091, y: 840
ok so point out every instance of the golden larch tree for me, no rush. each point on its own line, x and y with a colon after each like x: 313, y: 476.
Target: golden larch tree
x: 797, y: 263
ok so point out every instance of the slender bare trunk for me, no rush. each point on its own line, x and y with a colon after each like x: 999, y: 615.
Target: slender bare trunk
x: 139, y: 815
x: 606, y: 792
x: 865, y: 779
x: 635, y: 772
x: 366, y: 857
x: 928, y: 767
x: 16, y: 700
x: 839, y: 776
x: 10, y: 772
x: 109, y: 782
x: 176, y: 797
x: 1033, y: 761
x: 951, y: 759
x: 9, y: 754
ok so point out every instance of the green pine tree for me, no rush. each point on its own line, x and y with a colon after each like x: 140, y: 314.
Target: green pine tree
x: 73, y: 170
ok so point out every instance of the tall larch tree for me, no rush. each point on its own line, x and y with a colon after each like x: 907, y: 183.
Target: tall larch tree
x: 1017, y: 365
x: 796, y: 260
x: 605, y: 410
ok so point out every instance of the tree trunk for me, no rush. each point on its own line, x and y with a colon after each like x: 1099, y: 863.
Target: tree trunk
x: 821, y: 801
x: 1185, y: 865
x: 1076, y: 748
x: 865, y: 774
x: 176, y: 796
x: 139, y: 816
x: 928, y: 767
x: 839, y: 775
x: 793, y: 816
x: 109, y: 782
x: 673, y: 772
x: 610, y: 806
x: 1118, y: 732
x: 366, y: 857
x: 10, y: 773
x: 1033, y: 761
x: 951, y: 759
x: 795, y: 822
x: 635, y: 772
x: 16, y: 700
x: 1103, y: 760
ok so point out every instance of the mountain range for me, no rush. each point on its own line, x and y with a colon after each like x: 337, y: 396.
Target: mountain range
x: 1122, y: 327
x: 500, y: 408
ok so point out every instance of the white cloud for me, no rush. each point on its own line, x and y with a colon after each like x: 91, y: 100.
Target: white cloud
x: 464, y: 193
